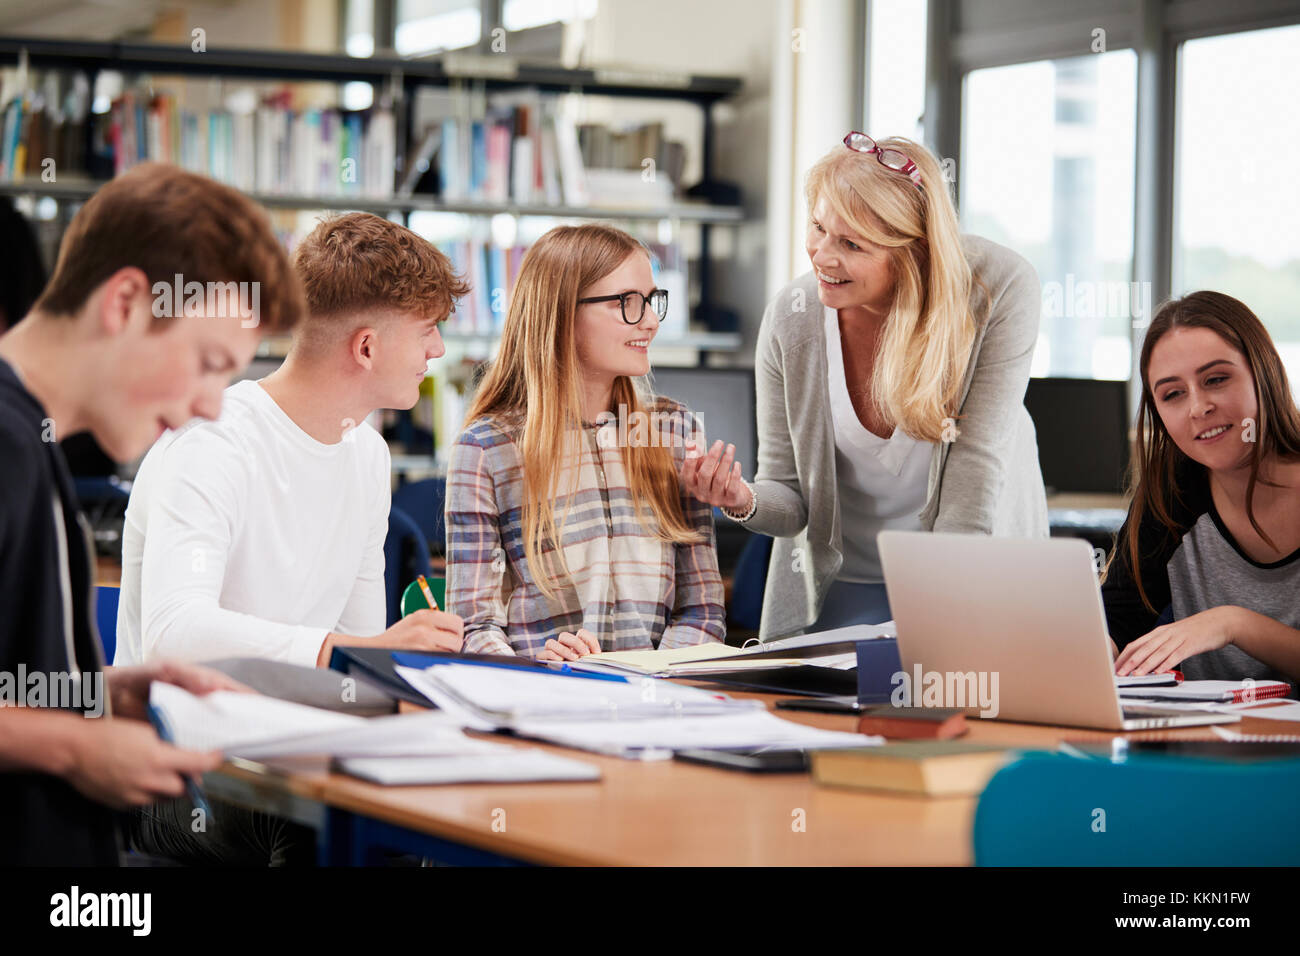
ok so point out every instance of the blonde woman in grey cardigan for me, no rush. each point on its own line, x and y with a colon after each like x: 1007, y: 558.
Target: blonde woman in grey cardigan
x: 891, y: 382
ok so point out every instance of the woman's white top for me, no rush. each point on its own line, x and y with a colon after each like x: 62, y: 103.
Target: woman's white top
x: 882, y: 481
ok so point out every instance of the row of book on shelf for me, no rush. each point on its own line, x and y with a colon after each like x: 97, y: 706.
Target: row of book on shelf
x: 271, y: 149
x: 528, y: 149
x: 521, y: 147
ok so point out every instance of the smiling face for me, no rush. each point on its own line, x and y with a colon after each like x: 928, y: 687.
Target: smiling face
x: 155, y: 380
x: 852, y: 273
x: 1204, y: 391
x: 607, y: 346
x: 404, y: 344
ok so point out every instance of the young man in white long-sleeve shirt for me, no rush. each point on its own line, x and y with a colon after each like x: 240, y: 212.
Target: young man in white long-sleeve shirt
x: 261, y: 534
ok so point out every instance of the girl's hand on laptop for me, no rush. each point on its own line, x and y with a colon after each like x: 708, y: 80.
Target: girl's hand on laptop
x: 570, y: 647
x: 1170, y: 644
x: 714, y: 478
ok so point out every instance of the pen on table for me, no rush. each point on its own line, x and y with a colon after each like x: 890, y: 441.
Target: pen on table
x: 428, y: 594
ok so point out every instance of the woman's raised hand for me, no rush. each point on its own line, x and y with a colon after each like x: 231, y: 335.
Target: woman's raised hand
x: 714, y: 478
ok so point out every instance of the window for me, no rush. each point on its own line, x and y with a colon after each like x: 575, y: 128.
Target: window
x: 896, y: 81
x: 426, y: 26
x: 1047, y: 169
x: 526, y: 14
x: 1236, y: 205
x: 359, y: 40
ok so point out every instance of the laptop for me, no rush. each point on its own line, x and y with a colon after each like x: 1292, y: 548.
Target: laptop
x: 1025, y: 617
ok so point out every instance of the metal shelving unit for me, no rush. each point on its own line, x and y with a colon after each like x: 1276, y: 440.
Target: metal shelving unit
x: 79, y: 190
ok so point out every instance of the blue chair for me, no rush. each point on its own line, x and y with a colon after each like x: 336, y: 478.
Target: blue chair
x: 106, y: 601
x: 406, y: 556
x: 424, y: 501
x: 96, y: 488
x: 749, y: 583
x: 1048, y: 809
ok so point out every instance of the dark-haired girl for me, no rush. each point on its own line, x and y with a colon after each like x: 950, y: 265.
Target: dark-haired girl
x: 1212, y: 539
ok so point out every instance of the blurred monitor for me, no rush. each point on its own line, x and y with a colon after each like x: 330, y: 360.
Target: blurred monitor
x: 1082, y: 427
x: 724, y: 400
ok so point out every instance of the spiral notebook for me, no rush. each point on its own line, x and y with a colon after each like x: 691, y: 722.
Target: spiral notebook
x: 1217, y: 691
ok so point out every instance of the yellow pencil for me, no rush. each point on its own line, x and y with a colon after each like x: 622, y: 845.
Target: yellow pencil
x: 428, y: 595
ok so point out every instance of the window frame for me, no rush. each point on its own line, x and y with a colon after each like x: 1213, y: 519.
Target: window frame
x: 967, y: 35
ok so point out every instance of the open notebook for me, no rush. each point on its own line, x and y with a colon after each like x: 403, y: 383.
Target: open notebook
x: 835, y: 648
x: 427, y: 747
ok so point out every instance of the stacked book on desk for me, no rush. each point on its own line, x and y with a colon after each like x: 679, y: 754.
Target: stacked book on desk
x: 934, y: 768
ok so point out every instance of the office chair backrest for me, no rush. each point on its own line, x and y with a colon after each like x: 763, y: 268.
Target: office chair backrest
x: 106, y: 601
x: 406, y: 555
x: 424, y: 502
x: 749, y: 583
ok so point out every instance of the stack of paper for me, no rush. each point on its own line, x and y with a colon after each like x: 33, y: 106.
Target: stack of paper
x: 487, y: 698
x: 426, y: 747
x: 642, y: 719
x: 659, y: 737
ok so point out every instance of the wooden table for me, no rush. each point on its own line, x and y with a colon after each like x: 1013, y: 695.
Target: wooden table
x: 646, y: 813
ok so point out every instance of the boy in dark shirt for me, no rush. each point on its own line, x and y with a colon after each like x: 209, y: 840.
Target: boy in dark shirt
x: 103, y: 351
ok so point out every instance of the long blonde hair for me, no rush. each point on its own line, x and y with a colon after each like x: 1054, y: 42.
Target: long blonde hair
x: 925, y: 348
x: 533, y: 389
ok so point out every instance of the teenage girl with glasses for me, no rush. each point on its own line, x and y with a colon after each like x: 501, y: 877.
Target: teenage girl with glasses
x: 891, y: 379
x: 567, y: 529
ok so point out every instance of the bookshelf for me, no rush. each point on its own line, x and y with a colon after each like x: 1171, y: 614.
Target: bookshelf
x: 402, y: 79
x: 493, y: 71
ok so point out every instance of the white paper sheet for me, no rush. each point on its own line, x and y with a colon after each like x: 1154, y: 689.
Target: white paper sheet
x: 225, y: 719
x: 261, y: 728
x: 1268, y: 710
x: 401, y: 735
x: 502, y: 765
x: 742, y: 730
x: 498, y: 696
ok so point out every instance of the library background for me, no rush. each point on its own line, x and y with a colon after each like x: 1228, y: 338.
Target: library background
x: 1129, y: 149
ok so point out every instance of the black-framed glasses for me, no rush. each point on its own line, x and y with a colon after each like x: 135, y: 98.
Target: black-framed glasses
x: 634, y: 303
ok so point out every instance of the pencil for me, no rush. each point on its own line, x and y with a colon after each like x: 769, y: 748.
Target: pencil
x: 428, y: 595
